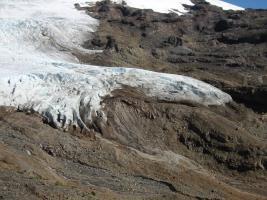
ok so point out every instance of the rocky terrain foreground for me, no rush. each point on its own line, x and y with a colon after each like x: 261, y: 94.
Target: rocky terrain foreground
x: 147, y: 148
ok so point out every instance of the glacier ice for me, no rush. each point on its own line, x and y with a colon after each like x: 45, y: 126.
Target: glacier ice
x: 60, y: 94
x: 39, y: 72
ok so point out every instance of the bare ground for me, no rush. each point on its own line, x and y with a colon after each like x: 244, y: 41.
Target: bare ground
x: 149, y: 149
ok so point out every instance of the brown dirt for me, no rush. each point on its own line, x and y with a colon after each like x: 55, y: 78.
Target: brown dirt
x: 146, y: 150
x: 149, y: 149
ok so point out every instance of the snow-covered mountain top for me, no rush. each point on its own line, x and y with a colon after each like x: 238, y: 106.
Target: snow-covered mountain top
x: 159, y: 6
x: 39, y: 72
x: 173, y: 5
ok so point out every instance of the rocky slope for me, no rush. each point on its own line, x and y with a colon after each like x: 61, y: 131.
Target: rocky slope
x: 150, y: 148
x: 206, y: 43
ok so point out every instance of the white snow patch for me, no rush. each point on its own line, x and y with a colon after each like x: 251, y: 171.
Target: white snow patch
x: 42, y: 30
x: 38, y: 71
x: 224, y: 5
x: 160, y: 6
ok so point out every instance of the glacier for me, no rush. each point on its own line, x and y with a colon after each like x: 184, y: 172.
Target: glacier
x: 39, y: 70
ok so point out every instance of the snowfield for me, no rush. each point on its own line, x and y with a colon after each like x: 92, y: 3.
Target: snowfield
x: 224, y: 5
x: 39, y: 72
x: 176, y: 6
x: 173, y: 5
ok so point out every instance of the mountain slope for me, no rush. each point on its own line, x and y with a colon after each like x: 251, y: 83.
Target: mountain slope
x: 40, y: 68
x: 124, y: 132
x: 176, y: 6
